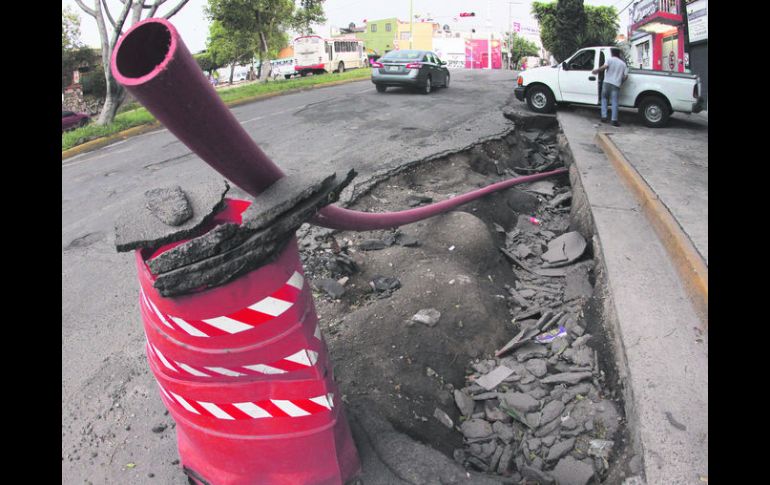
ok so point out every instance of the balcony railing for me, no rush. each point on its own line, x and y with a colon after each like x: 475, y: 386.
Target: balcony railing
x: 645, y: 8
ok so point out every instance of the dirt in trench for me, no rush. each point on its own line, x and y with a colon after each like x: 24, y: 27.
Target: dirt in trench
x: 369, y: 285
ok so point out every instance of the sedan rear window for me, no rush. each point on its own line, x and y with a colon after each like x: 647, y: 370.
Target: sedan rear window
x: 409, y: 55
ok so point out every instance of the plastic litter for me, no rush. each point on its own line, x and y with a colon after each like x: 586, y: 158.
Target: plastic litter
x: 551, y: 335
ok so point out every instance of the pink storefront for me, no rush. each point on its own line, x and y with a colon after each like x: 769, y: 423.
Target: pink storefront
x: 477, y: 52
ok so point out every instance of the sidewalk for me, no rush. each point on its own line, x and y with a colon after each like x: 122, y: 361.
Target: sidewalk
x: 659, y: 341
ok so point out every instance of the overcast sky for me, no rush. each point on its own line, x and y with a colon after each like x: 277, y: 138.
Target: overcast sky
x: 193, y: 25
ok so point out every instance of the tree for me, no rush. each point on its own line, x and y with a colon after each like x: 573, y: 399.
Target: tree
x: 570, y: 23
x: 601, y: 26
x: 521, y: 47
x: 228, y: 48
x: 115, y: 94
x: 70, y: 30
x: 309, y: 12
x: 564, y: 28
x: 267, y: 19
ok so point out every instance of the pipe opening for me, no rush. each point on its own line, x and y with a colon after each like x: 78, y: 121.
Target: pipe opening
x: 143, y: 50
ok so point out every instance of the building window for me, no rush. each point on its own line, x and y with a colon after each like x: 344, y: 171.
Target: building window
x: 374, y: 28
x: 387, y: 27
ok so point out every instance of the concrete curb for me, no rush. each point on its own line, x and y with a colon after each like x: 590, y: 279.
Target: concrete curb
x: 688, y: 262
x: 138, y: 130
x: 106, y: 140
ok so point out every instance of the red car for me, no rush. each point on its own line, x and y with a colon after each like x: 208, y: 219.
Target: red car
x: 70, y: 120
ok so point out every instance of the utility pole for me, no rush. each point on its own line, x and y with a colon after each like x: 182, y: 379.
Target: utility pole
x: 411, y: 24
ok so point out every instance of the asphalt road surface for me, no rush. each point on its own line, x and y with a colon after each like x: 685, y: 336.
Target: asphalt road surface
x: 112, y: 418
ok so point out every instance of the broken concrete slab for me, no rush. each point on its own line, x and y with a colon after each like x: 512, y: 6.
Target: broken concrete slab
x: 519, y: 401
x: 566, y: 378
x: 371, y: 245
x: 560, y: 449
x: 464, y: 402
x: 570, y: 471
x: 476, y: 428
x: 577, y: 283
x: 493, y: 379
x: 138, y: 227
x: 564, y: 249
x: 560, y: 199
x: 551, y: 411
x: 537, y: 367
x: 538, y: 475
x: 530, y: 350
x: 543, y: 187
x: 503, y: 431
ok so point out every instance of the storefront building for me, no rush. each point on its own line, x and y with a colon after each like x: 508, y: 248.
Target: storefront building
x: 698, y: 42
x: 657, y: 35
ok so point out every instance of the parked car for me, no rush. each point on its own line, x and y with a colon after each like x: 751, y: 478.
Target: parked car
x: 656, y: 94
x: 413, y: 68
x: 70, y: 120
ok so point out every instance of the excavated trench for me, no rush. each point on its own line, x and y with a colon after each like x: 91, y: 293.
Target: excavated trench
x: 414, y: 317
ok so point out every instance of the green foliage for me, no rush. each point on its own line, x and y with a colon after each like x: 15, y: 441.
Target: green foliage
x: 521, y: 47
x: 308, y: 12
x: 568, y: 25
x: 601, y: 26
x: 94, y: 83
x: 70, y: 29
x: 226, y: 47
x: 263, y: 19
x: 77, y: 58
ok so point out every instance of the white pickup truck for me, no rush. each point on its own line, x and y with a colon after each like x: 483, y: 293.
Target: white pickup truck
x: 656, y: 94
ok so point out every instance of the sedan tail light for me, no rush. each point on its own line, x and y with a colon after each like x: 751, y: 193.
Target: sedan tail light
x: 377, y: 64
x: 414, y: 65
x: 520, y: 81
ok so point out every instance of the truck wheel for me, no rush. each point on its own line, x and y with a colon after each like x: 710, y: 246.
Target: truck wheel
x: 341, y: 68
x: 654, y: 111
x: 287, y: 76
x: 540, y: 99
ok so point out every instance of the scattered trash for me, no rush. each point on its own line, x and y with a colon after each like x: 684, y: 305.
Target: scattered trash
x: 551, y: 335
x: 451, y: 248
x: 535, y: 221
x: 600, y: 448
x: 384, y: 284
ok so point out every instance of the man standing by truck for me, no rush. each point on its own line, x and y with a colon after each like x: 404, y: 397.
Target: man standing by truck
x: 617, y: 72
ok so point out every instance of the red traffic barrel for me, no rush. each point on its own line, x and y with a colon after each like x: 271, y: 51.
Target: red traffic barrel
x: 244, y: 372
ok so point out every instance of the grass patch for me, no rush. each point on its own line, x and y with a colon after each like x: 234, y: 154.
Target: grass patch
x: 140, y: 116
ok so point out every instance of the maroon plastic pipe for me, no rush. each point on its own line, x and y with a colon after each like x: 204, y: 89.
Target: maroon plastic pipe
x: 152, y: 62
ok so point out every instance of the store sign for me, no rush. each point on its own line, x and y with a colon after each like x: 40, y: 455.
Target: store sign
x: 698, y: 21
x: 642, y: 9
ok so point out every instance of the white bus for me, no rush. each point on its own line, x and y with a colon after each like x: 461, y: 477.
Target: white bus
x: 313, y: 54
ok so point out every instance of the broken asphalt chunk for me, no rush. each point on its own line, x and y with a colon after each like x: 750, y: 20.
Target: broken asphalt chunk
x: 566, y: 378
x: 427, y: 316
x: 331, y: 287
x: 476, y: 428
x: 169, y: 204
x: 139, y: 226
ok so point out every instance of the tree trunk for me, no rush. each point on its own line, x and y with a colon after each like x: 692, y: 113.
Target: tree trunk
x: 116, y: 94
x: 232, y: 72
